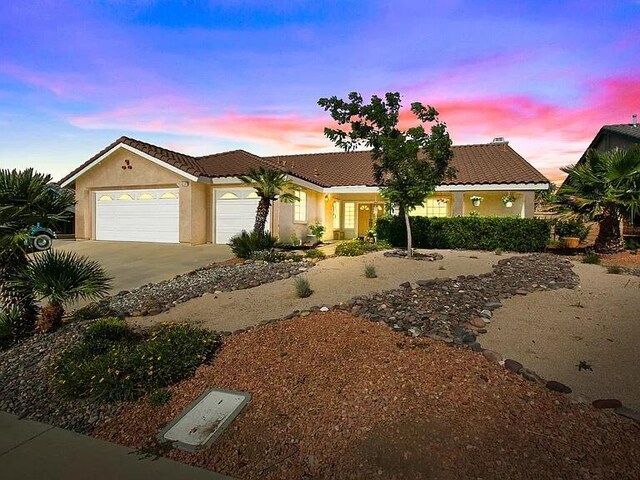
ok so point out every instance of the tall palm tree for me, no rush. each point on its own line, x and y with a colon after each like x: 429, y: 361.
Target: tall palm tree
x: 26, y: 198
x: 62, y: 277
x: 270, y: 185
x: 604, y: 188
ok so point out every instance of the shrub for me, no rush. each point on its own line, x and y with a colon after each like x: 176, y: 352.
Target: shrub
x: 273, y: 256
x: 127, y: 365
x: 315, y: 253
x: 471, y: 232
x: 614, y: 269
x: 591, y: 258
x: 13, y: 325
x: 498, y: 251
x: 370, y: 271
x: 303, y: 289
x: 244, y: 244
x: 159, y: 397
x: 93, y: 311
x: 355, y: 248
x: 571, y: 228
x: 317, y: 230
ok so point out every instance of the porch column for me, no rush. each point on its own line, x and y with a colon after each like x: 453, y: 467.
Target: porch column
x: 458, y: 204
x: 528, y: 207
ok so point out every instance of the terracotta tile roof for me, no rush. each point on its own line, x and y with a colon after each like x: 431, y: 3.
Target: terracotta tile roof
x: 624, y: 129
x: 475, y: 164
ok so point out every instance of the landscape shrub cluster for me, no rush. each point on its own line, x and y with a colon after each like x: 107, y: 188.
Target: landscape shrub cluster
x: 571, y: 228
x: 472, y: 233
x: 244, y: 244
x: 113, y: 363
x: 355, y: 248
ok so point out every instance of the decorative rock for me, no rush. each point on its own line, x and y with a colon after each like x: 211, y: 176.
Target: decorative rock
x: 405, y: 285
x: 512, y: 365
x: 558, y: 387
x: 531, y: 376
x: 477, y: 322
x: 491, y: 356
x: 324, y: 309
x: 521, y: 291
x: 476, y: 347
x: 629, y: 413
x: 469, y: 338
x: 607, y: 403
x: 486, y: 313
x: 492, y: 305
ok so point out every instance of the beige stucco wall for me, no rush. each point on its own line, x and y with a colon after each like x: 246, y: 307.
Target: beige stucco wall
x: 315, y: 214
x: 109, y: 174
x: 492, y: 205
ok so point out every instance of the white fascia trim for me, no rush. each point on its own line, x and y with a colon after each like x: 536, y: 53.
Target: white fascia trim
x: 352, y: 189
x: 137, y: 152
x: 493, y: 187
x: 306, y: 184
x: 224, y: 180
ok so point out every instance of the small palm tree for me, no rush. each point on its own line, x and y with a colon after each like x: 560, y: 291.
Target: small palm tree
x: 62, y: 277
x: 26, y: 198
x: 270, y: 185
x: 604, y: 188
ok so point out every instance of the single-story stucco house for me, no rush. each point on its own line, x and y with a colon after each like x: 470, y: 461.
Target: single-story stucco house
x: 135, y: 191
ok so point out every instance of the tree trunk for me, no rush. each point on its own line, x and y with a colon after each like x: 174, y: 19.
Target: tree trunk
x: 261, y: 214
x: 51, y: 317
x: 409, y: 239
x: 609, y: 239
x: 14, y: 299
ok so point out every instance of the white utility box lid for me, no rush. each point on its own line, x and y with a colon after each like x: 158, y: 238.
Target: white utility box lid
x: 204, y: 420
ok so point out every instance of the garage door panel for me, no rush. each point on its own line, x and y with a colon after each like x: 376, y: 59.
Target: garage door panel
x: 150, y: 219
x: 235, y: 213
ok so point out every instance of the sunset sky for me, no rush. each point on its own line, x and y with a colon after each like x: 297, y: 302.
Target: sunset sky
x: 203, y: 77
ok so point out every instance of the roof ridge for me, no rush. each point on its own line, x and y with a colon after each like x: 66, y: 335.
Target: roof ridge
x: 154, y: 146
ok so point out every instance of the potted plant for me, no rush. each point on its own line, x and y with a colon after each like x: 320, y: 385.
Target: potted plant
x: 571, y: 232
x: 317, y: 231
x: 508, y: 200
x: 476, y: 200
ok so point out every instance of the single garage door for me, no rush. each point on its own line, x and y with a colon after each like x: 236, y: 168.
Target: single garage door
x: 138, y: 215
x: 235, y: 211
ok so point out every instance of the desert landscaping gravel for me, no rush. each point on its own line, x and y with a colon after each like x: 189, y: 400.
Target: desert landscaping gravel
x: 335, y: 396
x: 154, y: 298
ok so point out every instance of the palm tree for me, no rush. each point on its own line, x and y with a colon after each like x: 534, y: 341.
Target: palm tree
x: 270, y: 185
x: 62, y: 277
x: 604, y: 188
x: 26, y: 198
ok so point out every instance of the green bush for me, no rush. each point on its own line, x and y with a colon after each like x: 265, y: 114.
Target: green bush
x: 370, y: 271
x: 273, y: 256
x: 591, y: 258
x: 571, y: 228
x: 471, y: 233
x: 159, y: 397
x: 614, y: 269
x: 303, y: 289
x: 244, y: 244
x: 355, y: 248
x: 315, y: 253
x: 126, y: 366
x: 93, y: 311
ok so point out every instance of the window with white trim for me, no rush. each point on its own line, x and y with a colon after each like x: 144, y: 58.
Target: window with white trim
x: 432, y: 207
x: 300, y: 207
x: 349, y: 215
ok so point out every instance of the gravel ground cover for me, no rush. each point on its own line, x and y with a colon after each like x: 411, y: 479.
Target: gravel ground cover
x: 154, y: 298
x: 25, y: 383
x: 335, y: 396
x: 456, y: 310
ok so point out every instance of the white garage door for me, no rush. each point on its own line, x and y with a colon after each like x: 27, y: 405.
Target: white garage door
x: 138, y: 215
x: 235, y: 211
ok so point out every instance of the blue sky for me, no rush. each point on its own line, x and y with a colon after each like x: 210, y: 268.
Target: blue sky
x: 202, y: 77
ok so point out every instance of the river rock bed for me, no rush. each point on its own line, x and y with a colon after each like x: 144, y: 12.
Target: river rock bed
x: 457, y: 310
x: 26, y: 383
x: 155, y: 298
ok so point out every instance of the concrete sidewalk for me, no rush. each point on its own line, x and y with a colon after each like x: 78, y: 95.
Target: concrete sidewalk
x: 32, y: 450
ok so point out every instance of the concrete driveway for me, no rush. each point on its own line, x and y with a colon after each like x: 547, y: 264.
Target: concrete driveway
x: 133, y: 264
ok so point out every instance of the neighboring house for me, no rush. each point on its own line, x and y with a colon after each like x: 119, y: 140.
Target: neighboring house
x: 134, y: 191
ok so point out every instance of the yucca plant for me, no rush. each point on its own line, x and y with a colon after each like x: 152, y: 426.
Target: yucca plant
x: 61, y: 277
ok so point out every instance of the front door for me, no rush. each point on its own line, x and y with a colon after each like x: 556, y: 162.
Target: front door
x: 365, y: 219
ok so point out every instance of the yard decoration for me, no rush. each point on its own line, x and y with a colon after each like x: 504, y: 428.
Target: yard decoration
x: 408, y: 164
x: 603, y: 187
x: 476, y: 200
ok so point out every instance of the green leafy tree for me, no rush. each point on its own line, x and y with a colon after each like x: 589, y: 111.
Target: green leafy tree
x: 62, y: 277
x: 26, y: 198
x: 604, y: 188
x: 270, y: 185
x: 408, y: 164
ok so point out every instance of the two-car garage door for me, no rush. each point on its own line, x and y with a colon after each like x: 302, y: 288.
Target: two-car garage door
x: 138, y: 215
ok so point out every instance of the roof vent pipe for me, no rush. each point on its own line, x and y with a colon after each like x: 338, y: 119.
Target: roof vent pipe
x: 634, y: 120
